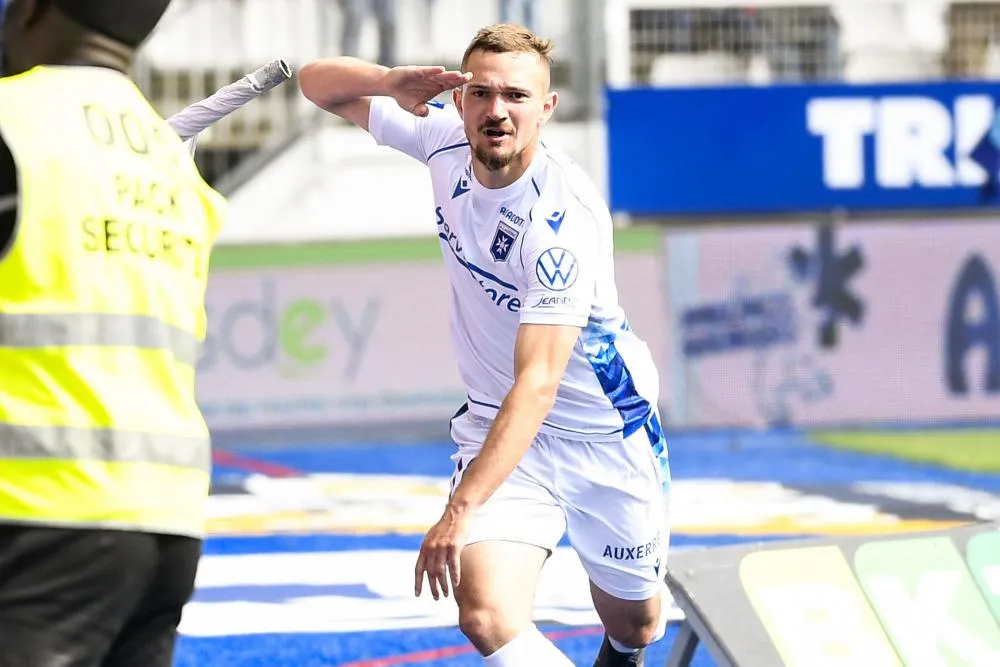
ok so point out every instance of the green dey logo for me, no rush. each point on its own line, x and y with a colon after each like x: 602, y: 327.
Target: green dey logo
x: 299, y: 336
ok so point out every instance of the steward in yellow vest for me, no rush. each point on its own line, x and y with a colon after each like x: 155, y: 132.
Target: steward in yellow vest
x: 101, y: 309
x: 106, y: 229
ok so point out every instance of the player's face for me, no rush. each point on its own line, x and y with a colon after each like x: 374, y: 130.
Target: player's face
x: 504, y: 105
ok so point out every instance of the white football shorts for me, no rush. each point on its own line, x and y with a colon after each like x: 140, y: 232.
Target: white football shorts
x: 610, y: 498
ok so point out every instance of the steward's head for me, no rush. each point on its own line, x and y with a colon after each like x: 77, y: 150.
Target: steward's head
x: 63, y: 32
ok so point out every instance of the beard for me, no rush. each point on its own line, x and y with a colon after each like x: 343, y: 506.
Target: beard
x: 494, y: 161
x: 495, y: 158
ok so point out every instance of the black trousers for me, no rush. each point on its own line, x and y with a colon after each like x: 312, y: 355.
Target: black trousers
x: 92, y: 598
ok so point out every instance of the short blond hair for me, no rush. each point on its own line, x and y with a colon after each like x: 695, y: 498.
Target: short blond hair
x: 509, y: 38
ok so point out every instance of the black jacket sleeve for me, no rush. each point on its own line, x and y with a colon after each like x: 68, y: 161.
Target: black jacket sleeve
x: 8, y: 197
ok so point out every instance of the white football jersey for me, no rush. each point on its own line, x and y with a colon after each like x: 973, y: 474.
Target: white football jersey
x: 539, y: 251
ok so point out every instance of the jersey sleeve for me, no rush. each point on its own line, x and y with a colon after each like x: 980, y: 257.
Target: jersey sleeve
x: 419, y: 137
x: 560, y: 256
x: 8, y: 197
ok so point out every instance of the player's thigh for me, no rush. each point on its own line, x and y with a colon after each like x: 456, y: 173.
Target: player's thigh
x: 150, y: 635
x: 65, y: 594
x: 615, y: 496
x: 496, y: 593
x: 510, y: 537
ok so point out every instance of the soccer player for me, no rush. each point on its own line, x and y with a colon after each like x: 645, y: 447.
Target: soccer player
x: 560, y: 433
x: 106, y: 228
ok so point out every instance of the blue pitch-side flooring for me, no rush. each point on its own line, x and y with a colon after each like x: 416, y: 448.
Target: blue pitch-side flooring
x: 785, y: 457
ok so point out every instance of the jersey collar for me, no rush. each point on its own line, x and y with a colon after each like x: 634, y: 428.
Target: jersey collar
x: 516, y: 188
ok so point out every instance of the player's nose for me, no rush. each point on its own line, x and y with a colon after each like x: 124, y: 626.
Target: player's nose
x: 497, y: 110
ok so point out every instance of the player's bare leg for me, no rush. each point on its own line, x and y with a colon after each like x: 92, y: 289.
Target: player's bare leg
x: 630, y: 626
x: 496, y: 599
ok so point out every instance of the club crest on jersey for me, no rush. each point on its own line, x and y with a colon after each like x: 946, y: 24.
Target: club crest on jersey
x: 503, y: 241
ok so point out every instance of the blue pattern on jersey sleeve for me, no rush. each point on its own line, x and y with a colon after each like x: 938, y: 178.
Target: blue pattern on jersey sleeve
x: 613, y: 375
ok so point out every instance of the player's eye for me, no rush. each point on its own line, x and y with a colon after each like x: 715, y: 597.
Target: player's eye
x: 517, y: 96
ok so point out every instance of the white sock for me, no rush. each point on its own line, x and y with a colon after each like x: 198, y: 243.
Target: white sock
x: 528, y: 648
x: 621, y: 648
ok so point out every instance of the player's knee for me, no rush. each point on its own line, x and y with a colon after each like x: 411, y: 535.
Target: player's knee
x: 637, y: 637
x: 636, y: 630
x: 485, y: 627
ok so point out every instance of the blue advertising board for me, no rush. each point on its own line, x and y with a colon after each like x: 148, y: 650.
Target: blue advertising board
x: 800, y: 148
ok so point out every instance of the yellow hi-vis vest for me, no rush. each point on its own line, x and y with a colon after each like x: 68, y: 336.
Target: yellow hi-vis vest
x: 102, y: 310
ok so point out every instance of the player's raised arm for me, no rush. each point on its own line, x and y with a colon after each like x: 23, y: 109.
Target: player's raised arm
x: 344, y: 86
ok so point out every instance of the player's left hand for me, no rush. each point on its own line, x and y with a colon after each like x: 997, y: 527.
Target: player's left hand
x: 441, y: 553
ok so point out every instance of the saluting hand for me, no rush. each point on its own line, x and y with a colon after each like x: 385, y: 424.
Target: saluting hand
x: 412, y: 86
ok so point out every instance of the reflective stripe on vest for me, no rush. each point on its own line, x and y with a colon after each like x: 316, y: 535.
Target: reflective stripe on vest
x: 98, y: 329
x: 68, y: 443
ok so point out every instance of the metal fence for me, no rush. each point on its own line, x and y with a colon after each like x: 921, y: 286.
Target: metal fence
x: 203, y: 44
x: 699, y: 42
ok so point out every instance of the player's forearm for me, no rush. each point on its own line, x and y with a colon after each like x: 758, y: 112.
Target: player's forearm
x: 329, y: 82
x: 514, y: 429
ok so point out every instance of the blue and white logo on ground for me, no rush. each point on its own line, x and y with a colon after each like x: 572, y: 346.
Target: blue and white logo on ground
x: 351, y: 591
x: 350, y: 504
x: 557, y: 269
x: 329, y: 502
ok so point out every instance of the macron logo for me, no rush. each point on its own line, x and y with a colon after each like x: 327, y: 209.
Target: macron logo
x: 555, y: 220
x: 460, y: 188
x: 463, y: 185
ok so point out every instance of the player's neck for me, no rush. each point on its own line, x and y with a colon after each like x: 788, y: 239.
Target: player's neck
x: 501, y: 178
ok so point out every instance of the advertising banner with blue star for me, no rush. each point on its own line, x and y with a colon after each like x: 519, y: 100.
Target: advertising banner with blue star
x: 820, y: 325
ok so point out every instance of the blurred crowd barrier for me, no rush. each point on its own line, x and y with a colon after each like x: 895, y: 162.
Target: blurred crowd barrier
x: 203, y: 44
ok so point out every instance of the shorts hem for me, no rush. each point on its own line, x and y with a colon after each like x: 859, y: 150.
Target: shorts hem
x: 480, y: 540
x: 632, y: 596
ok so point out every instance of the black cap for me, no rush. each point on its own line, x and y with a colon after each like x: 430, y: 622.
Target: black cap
x: 127, y: 21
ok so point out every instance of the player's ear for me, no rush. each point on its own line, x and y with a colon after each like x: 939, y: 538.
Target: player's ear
x: 549, y: 106
x: 456, y: 97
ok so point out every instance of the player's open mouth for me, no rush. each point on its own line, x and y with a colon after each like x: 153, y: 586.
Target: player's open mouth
x: 495, y: 134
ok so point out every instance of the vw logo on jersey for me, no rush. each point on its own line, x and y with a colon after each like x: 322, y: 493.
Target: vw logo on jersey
x: 503, y: 241
x: 557, y: 269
